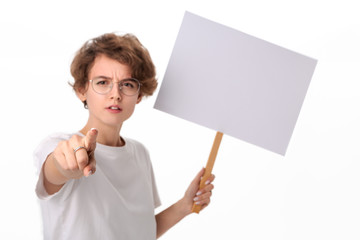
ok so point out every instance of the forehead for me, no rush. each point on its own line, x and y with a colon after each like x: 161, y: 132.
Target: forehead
x: 105, y: 66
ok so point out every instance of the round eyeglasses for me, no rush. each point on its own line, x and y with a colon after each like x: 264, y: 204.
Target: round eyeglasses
x: 103, y: 85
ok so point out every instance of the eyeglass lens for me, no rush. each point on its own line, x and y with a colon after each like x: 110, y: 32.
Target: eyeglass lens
x: 128, y: 86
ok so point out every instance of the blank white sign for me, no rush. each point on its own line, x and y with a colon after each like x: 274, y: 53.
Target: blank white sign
x: 235, y: 83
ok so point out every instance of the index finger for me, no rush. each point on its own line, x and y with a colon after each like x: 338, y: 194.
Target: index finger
x: 90, y: 140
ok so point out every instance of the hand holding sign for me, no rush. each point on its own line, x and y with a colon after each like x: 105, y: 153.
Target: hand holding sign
x: 234, y: 83
x: 209, y: 166
x: 199, y: 198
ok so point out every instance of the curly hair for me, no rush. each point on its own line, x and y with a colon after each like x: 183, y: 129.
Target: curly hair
x: 126, y: 49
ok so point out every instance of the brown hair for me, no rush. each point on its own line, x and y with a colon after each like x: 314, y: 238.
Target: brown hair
x: 126, y: 49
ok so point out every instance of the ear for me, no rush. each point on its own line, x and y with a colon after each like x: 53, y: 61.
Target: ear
x: 81, y: 94
x: 139, y: 99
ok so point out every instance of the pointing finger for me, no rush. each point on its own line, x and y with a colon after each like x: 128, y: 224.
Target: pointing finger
x: 90, y: 140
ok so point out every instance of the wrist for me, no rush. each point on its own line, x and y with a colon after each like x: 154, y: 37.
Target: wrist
x: 52, y: 174
x: 185, y: 207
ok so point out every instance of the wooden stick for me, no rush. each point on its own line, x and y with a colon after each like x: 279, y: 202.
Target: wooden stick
x: 209, y: 166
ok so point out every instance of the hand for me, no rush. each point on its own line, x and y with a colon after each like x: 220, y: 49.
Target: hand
x: 199, y: 197
x: 74, y: 162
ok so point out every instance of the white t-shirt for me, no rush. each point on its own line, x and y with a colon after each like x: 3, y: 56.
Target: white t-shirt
x: 117, y: 202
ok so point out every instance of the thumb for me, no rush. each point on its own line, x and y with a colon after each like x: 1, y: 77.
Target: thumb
x: 91, y: 167
x: 90, y: 140
x: 197, y: 179
x: 194, y: 186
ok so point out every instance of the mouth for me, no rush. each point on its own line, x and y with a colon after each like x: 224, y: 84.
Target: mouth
x: 114, y: 108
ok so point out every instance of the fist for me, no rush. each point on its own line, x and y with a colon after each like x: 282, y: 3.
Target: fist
x: 74, y: 158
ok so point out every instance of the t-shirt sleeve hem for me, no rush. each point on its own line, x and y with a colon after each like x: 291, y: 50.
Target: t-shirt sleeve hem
x: 157, y: 204
x: 40, y: 189
x: 41, y: 192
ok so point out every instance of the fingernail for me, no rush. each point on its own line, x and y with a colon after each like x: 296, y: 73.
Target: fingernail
x: 89, y: 173
x: 93, y: 129
x: 198, y: 193
x: 207, y: 182
x: 197, y: 203
x: 195, y: 199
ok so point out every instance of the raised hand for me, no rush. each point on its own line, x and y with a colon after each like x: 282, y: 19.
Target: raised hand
x: 71, y: 159
x: 75, y: 158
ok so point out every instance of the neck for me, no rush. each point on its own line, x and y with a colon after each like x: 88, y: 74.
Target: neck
x: 107, y: 135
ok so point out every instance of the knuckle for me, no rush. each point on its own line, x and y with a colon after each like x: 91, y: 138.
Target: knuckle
x: 65, y: 167
x: 75, y: 138
x: 58, y: 157
x: 74, y: 141
x: 82, y: 161
x: 56, y: 154
x: 61, y: 146
x: 61, y: 165
x: 72, y: 166
x: 67, y: 146
x: 211, y: 187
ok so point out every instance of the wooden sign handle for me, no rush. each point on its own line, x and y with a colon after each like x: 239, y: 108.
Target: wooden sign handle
x: 209, y: 166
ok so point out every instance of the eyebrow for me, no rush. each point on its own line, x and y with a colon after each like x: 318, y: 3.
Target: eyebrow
x: 101, y: 76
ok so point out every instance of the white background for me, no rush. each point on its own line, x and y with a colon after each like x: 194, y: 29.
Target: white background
x: 311, y: 193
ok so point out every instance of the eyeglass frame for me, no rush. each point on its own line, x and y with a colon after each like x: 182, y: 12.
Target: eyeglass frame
x: 112, y: 85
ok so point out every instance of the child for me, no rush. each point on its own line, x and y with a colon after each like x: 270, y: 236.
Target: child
x: 96, y: 184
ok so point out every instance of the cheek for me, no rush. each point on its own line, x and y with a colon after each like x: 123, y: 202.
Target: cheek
x: 130, y: 105
x: 93, y: 101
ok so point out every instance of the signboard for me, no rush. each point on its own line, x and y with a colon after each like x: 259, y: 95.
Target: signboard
x: 235, y: 83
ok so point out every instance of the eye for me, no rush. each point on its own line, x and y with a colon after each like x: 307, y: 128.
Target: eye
x: 130, y: 84
x: 102, y: 82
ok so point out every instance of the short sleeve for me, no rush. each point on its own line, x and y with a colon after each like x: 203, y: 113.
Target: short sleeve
x: 155, y: 193
x: 156, y: 197
x: 144, y: 156
x: 45, y: 147
x: 43, y: 150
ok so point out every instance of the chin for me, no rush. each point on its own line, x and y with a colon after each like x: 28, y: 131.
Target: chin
x: 115, y: 122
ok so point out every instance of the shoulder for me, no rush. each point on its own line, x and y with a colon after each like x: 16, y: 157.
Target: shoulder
x: 137, y: 147
x: 134, y: 143
x: 49, y: 143
x: 59, y: 136
x: 53, y: 139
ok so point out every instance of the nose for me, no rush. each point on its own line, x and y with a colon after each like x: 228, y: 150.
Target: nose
x: 115, y: 92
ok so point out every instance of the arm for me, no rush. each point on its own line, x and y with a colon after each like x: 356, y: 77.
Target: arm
x: 172, y: 215
x: 53, y: 179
